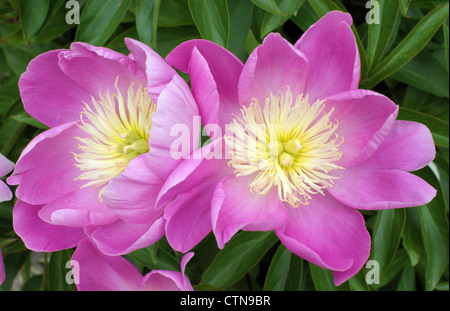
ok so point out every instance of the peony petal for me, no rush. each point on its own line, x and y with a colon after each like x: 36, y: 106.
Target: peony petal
x: 364, y: 119
x: 158, y: 73
x: 94, y: 271
x: 48, y: 94
x: 96, y: 73
x: 408, y: 147
x: 165, y: 280
x: 120, y: 237
x: 77, y: 209
x: 271, y: 68
x: 214, y: 74
x: 176, y: 110
x: 188, y: 218
x: 39, y: 235
x: 330, y: 47
x: 46, y: 168
x: 328, y: 234
x: 234, y: 207
x: 5, y: 192
x: 132, y: 194
x: 6, y: 165
x: 2, y: 269
x: 381, y: 189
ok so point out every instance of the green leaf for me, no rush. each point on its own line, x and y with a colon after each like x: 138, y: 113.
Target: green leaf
x: 58, y: 270
x: 446, y: 39
x: 380, y: 33
x: 285, y: 271
x: 27, y: 119
x: 237, y: 258
x: 268, y: 5
x: 439, y: 128
x: 412, y: 239
x: 212, y: 20
x: 146, y: 21
x: 100, y: 19
x: 239, y: 26
x: 323, y: 279
x: 172, y: 13
x: 271, y: 21
x: 425, y: 73
x: 155, y: 257
x: 305, y: 17
x: 404, y: 5
x: 412, y: 44
x: 32, y: 16
x: 435, y: 233
x: 407, y: 280
x: 386, y: 237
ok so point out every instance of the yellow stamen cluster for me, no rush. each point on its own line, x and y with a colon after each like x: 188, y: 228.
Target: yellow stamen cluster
x: 118, y: 131
x: 289, y: 145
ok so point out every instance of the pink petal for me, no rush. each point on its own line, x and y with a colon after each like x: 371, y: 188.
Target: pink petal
x: 214, y: 74
x: 166, y: 280
x: 175, y: 109
x: 158, y: 72
x: 120, y: 237
x: 271, y: 68
x: 132, y: 194
x: 381, y: 189
x: 330, y: 47
x: 94, y: 271
x: 5, y: 192
x: 6, y: 166
x: 328, y: 234
x: 234, y: 207
x: 408, y: 147
x: 2, y: 269
x: 77, y: 209
x: 46, y: 168
x: 96, y: 73
x: 39, y: 235
x: 48, y: 94
x: 364, y: 119
x: 187, y: 195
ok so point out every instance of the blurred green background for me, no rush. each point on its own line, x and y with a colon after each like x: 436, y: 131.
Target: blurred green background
x: 405, y: 57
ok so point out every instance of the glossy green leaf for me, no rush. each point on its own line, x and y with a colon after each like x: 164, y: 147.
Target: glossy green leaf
x: 446, y: 44
x: 99, y: 19
x: 386, y: 237
x: 285, y: 271
x: 412, y: 44
x: 425, y: 73
x: 407, y: 280
x: 240, y: 24
x: 32, y: 16
x: 412, y: 239
x: 212, y: 20
x: 439, y: 128
x: 237, y: 257
x: 398, y: 263
x: 305, y: 17
x: 270, y: 6
x: 435, y: 233
x: 174, y: 13
x: 271, y: 21
x: 380, y: 33
x: 147, y: 21
x: 404, y: 6
x: 323, y: 279
x: 59, y: 271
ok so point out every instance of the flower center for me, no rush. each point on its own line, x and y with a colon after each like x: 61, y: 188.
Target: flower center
x: 118, y: 131
x: 289, y: 145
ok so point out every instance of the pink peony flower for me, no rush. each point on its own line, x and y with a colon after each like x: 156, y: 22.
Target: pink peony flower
x: 100, y: 166
x: 95, y: 271
x: 2, y: 269
x: 6, y: 166
x: 304, y: 148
